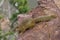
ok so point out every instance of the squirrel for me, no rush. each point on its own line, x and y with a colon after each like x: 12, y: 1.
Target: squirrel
x: 30, y: 22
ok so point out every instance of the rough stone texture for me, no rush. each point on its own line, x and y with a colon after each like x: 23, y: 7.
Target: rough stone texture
x: 36, y: 12
x: 44, y: 30
x: 57, y: 2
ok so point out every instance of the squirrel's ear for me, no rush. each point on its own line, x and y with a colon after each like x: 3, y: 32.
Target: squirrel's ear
x: 18, y: 17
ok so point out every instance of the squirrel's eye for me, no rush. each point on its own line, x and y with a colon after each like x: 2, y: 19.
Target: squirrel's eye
x: 19, y: 17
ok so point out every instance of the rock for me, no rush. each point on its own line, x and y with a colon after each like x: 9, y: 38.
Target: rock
x: 5, y: 24
x: 44, y: 30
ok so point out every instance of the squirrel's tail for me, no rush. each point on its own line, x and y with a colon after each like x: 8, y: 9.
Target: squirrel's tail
x: 44, y: 18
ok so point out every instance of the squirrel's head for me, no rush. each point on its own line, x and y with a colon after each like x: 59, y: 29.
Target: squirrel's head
x: 22, y: 17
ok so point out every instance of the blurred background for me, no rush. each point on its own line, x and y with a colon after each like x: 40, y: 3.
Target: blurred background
x: 7, y: 9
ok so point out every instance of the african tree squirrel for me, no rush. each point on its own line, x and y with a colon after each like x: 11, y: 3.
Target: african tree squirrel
x: 27, y: 22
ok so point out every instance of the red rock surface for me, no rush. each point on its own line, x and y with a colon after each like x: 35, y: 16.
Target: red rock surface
x: 44, y: 30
